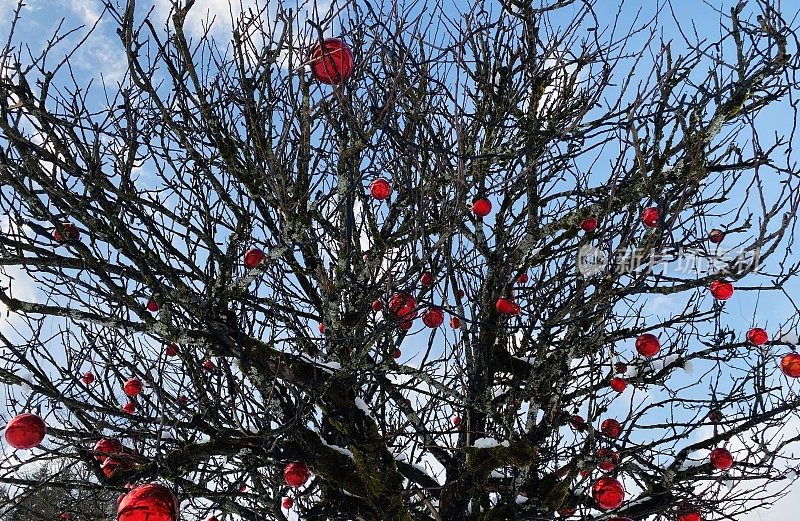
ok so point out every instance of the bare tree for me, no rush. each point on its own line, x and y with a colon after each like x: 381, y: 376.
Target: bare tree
x: 609, y: 153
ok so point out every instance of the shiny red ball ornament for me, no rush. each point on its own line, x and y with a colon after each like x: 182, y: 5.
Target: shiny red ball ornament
x: 72, y: 234
x: 65, y: 516
x: 589, y: 225
x: 183, y: 400
x: 611, y: 428
x: 714, y: 415
x: 152, y: 306
x: 25, y: 431
x: 212, y: 518
x: 287, y: 503
x: 647, y: 345
x: 331, y: 61
x: 522, y: 279
x: 757, y: 336
x: 129, y: 408
x: 577, y: 423
x: 380, y: 189
x: 620, y: 368
x: 607, y: 459
x: 455, y: 322
x: 460, y: 294
x: 111, y: 464
x: 481, y: 207
x: 397, y: 354
x: 584, y: 473
x: 377, y: 305
x: 721, y: 290
x: 721, y: 458
x: 253, y: 257
x: 132, y: 387
x: 107, y: 447
x: 618, y: 384
x: 87, y: 378
x: 506, y: 306
x: 650, y: 217
x: 566, y: 512
x: 405, y: 325
x: 149, y: 502
x: 172, y: 350
x: 426, y: 279
x: 433, y: 317
x: 715, y: 236
x: 790, y: 365
x: 689, y: 515
x: 403, y: 305
x: 456, y: 421
x: 295, y: 474
x: 321, y: 328
x: 608, y: 493
x: 208, y: 365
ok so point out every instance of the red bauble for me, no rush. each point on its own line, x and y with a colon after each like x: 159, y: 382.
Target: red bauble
x: 183, y: 400
x: 132, y: 387
x: 72, y: 234
x: 608, y: 493
x: 152, y: 306
x: 790, y: 365
x: 566, y: 511
x: 110, y: 464
x: 107, y: 447
x: 584, y: 473
x: 88, y: 378
x: 607, y: 459
x: 65, y: 516
x: 433, y: 317
x: 721, y: 458
x: 406, y: 324
x: 481, y: 207
x: 25, y: 431
x: 721, y: 290
x: 208, y: 365
x: 618, y: 384
x: 455, y: 322
x: 650, y: 217
x: 172, y: 350
x: 129, y: 408
x: 522, y: 279
x: 403, y: 305
x: 757, y: 336
x: 456, y: 421
x: 714, y: 415
x: 426, y: 279
x: 148, y: 503
x: 321, y: 328
x: 295, y: 474
x: 212, y: 518
x: 506, y: 306
x: 332, y: 61
x: 690, y: 515
x: 620, y: 368
x: 716, y: 235
x: 647, y: 345
x: 287, y: 503
x: 380, y: 189
x: 460, y: 294
x: 377, y: 305
x: 396, y: 354
x: 253, y: 257
x: 577, y: 423
x: 611, y: 428
x: 589, y: 225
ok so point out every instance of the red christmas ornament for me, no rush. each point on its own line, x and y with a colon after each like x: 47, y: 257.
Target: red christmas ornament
x: 620, y: 368
x: 460, y: 294
x: 287, y: 503
x: 589, y: 225
x: 455, y: 322
x: 65, y: 516
x: 208, y: 365
x: 714, y: 415
x: 647, y: 345
x: 689, y: 515
x: 72, y: 233
x: 88, y: 378
x: 25, y: 431
x: 380, y: 189
x: 611, y: 428
x: 481, y: 207
x: 506, y: 306
x: 152, y: 306
x: 212, y: 518
x: 242, y: 488
x: 376, y: 305
x: 172, y: 350
x: 123, y: 462
x: 584, y: 473
x: 721, y: 458
x: 397, y: 353
x: 456, y: 421
x: 426, y: 279
x: 331, y: 62
x: 716, y: 235
x: 253, y: 257
x: 295, y: 474
x: 721, y: 290
x: 183, y: 400
x: 129, y: 408
x: 790, y: 365
x: 406, y: 324
x: 321, y: 328
x: 607, y: 459
x: 608, y: 493
x: 522, y: 279
x: 149, y: 502
x: 650, y: 217
x: 132, y: 387
x: 403, y: 305
x: 577, y: 423
x: 757, y: 336
x: 107, y: 447
x: 618, y: 384
x: 566, y: 511
x: 433, y: 317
